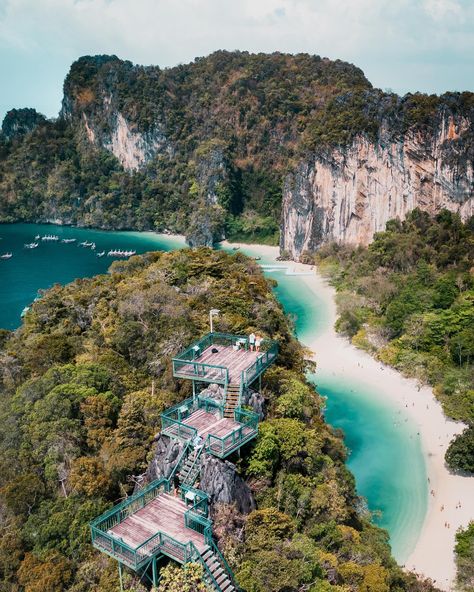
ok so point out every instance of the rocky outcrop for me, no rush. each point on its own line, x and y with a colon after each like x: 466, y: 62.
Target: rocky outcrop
x: 132, y: 147
x: 255, y: 400
x: 220, y: 480
x: 167, y: 452
x: 348, y: 195
x: 19, y: 122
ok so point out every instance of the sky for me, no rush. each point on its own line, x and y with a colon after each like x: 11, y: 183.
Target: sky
x: 402, y: 45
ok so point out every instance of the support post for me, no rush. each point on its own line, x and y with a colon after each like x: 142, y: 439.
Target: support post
x: 260, y: 384
x: 194, y: 390
x: 154, y: 572
x: 120, y: 576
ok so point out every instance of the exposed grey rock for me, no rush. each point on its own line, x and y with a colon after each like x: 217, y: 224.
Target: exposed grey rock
x: 206, y: 225
x: 19, y: 122
x: 213, y: 391
x: 220, y: 480
x: 351, y: 193
x: 167, y: 452
x: 255, y: 400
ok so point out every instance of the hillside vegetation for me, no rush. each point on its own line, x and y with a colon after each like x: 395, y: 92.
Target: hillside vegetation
x: 409, y: 299
x: 79, y: 419
x: 229, y: 127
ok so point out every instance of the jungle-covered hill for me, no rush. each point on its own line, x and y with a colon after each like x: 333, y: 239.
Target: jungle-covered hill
x: 79, y: 418
x: 202, y: 148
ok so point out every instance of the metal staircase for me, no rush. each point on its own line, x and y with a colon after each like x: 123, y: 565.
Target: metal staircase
x: 232, y: 398
x: 217, y: 573
x: 190, y: 466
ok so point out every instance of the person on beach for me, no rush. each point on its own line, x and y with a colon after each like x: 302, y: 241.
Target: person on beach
x: 252, y: 341
x: 258, y: 342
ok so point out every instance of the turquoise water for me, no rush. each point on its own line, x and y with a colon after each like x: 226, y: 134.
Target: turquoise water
x: 54, y: 262
x: 385, y: 454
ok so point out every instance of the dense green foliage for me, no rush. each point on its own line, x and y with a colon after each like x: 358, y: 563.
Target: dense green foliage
x: 229, y: 128
x: 409, y: 298
x: 79, y: 418
x: 465, y: 558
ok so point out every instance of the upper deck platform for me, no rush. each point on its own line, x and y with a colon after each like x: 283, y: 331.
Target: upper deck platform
x: 224, y: 359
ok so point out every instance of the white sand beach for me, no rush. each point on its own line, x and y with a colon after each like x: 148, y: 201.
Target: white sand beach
x: 433, y: 554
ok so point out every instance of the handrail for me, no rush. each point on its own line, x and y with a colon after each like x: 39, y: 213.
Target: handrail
x: 200, y: 500
x: 127, y: 553
x: 200, y: 370
x: 175, y: 408
x: 195, y: 461
x: 262, y: 362
x: 221, y: 558
x: 182, y: 456
x: 206, y: 341
x: 177, y: 429
x: 207, y: 402
x: 249, y: 418
x: 196, y: 522
x: 120, y: 509
x: 195, y: 555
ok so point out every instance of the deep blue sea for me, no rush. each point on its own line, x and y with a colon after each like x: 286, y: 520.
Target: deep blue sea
x: 387, y: 461
x: 58, y: 263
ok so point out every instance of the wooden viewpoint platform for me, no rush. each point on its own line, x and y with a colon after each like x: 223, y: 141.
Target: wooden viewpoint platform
x: 163, y: 514
x: 211, y: 423
x: 234, y: 360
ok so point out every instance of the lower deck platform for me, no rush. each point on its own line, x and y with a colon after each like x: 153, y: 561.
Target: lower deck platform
x: 163, y: 514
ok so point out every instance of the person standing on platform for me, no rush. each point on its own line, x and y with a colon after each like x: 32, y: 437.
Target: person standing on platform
x: 258, y: 342
x: 252, y: 341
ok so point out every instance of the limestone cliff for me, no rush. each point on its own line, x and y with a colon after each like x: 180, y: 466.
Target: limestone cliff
x: 233, y: 145
x: 349, y: 194
x: 20, y: 122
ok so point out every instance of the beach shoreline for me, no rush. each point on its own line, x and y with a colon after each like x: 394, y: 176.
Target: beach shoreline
x: 433, y: 552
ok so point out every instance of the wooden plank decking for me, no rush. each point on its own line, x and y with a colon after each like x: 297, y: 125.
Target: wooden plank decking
x: 163, y: 514
x: 211, y: 423
x: 234, y: 361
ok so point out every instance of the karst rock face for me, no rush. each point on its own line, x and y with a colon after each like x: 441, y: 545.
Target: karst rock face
x: 234, y: 144
x: 20, y: 122
x: 348, y: 195
x: 218, y: 478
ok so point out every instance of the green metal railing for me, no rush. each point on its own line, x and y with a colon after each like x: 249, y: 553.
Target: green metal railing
x: 190, y: 477
x: 268, y: 353
x: 210, y: 404
x: 200, y: 371
x: 177, y: 429
x: 221, y: 447
x: 197, y: 347
x: 182, y: 458
x: 199, y: 499
x: 248, y: 428
x: 113, y: 545
x: 196, y: 557
x: 223, y: 562
x: 186, y: 366
x: 245, y: 417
